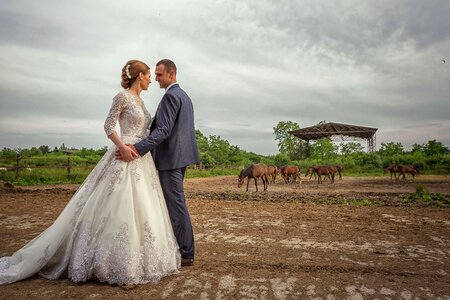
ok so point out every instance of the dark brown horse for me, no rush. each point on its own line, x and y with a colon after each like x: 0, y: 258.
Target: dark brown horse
x: 403, y: 169
x: 327, y: 171
x: 310, y: 172
x: 394, y: 169
x: 340, y: 170
x: 255, y: 171
x: 290, y: 174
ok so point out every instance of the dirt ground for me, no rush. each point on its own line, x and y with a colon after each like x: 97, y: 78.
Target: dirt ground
x: 360, y: 238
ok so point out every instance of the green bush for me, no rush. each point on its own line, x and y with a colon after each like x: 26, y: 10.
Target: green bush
x: 421, y: 193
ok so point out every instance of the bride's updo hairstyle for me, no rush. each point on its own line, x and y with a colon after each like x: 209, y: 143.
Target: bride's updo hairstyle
x: 131, y: 71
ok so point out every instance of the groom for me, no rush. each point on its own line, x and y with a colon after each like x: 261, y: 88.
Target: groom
x: 174, y: 147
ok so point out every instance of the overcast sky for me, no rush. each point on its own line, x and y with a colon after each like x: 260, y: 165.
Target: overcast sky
x: 245, y: 64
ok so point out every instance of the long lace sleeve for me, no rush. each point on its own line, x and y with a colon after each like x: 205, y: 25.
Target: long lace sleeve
x: 114, y: 113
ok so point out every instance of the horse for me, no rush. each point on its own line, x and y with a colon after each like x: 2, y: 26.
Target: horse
x: 325, y: 170
x: 394, y: 169
x: 340, y: 170
x: 255, y: 171
x: 403, y: 169
x: 277, y: 171
x: 272, y: 173
x: 310, y: 172
x: 290, y: 173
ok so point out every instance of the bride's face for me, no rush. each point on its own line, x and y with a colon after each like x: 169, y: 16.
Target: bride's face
x: 145, y: 80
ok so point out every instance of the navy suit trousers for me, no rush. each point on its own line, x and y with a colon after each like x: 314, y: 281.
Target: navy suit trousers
x: 172, y: 186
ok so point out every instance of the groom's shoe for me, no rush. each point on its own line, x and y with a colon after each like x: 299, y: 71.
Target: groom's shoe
x: 187, y: 262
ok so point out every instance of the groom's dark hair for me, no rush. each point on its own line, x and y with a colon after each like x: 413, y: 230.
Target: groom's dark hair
x: 168, y: 64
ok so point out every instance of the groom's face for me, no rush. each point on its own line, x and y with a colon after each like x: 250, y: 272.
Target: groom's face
x: 162, y: 76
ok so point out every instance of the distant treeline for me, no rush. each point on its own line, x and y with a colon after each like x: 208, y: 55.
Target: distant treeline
x: 431, y: 158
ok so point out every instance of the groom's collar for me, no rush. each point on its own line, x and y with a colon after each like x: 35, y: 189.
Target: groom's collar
x: 171, y: 85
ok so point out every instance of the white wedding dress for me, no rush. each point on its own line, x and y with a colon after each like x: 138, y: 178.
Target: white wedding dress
x: 116, y: 227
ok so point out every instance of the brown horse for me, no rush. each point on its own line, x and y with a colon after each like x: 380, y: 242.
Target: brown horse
x: 255, y: 171
x: 403, y: 169
x: 310, y: 172
x: 278, y: 171
x: 340, y: 170
x: 290, y: 174
x: 272, y: 173
x: 328, y: 171
x: 394, y: 169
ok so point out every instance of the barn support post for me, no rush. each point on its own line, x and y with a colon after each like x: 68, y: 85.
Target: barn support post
x: 371, y: 144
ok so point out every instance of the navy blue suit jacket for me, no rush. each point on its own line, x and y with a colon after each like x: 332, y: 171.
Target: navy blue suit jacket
x: 172, y: 133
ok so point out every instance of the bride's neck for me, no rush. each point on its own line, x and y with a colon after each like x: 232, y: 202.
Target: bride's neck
x: 135, y: 90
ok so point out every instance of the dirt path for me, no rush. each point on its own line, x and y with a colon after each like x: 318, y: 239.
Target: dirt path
x: 287, y: 243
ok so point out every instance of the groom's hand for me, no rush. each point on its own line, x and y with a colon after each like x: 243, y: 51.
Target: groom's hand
x: 127, y: 153
x: 133, y: 150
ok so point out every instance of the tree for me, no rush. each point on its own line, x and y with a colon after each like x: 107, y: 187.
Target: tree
x: 281, y: 159
x: 220, y: 150
x: 350, y: 148
x: 84, y: 152
x: 323, y: 148
x: 434, y: 147
x: 417, y: 148
x: 44, y: 149
x: 25, y: 152
x: 9, y: 153
x: 287, y: 143
x: 215, y: 150
x: 202, y: 141
x: 101, y: 151
x: 35, y: 151
x: 391, y: 149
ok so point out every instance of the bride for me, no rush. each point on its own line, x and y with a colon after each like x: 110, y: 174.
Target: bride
x: 116, y: 227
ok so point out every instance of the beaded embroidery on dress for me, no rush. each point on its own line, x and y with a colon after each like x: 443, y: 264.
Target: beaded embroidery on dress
x: 116, y: 227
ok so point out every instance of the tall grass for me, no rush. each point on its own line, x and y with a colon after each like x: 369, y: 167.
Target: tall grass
x: 46, y: 176
x: 78, y: 175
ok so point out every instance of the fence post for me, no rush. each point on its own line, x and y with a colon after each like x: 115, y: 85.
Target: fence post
x: 17, y: 164
x: 68, y: 167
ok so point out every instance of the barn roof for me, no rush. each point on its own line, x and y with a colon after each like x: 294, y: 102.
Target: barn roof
x: 331, y: 129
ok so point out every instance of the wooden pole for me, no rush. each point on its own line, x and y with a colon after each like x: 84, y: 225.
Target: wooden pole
x: 17, y: 165
x: 68, y: 167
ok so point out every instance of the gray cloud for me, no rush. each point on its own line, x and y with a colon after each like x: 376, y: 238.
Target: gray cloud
x: 247, y: 65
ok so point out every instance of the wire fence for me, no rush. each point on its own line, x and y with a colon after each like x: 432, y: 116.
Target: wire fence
x: 69, y: 169
x: 22, y: 166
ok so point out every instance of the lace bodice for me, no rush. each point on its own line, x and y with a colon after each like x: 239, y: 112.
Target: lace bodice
x: 134, y: 119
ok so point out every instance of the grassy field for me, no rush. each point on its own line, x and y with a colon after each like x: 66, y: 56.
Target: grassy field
x: 54, y: 171
x: 52, y: 175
